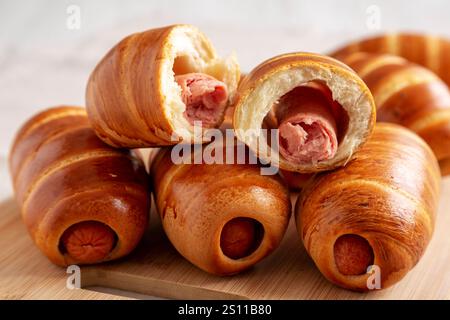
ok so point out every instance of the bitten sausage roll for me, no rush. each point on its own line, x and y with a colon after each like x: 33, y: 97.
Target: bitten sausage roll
x: 429, y: 51
x: 152, y: 86
x: 378, y: 210
x: 146, y: 155
x: 323, y: 111
x: 223, y: 218
x: 410, y: 95
x: 82, y: 201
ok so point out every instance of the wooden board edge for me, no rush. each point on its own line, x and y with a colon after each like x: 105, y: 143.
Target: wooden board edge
x: 91, y: 276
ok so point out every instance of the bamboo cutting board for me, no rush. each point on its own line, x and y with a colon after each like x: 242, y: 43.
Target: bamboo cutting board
x: 155, y: 268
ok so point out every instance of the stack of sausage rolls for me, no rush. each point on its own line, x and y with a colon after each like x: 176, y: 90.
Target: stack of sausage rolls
x: 369, y: 190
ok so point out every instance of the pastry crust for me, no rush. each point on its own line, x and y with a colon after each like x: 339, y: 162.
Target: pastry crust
x: 63, y: 174
x: 132, y: 97
x: 275, y: 77
x: 387, y: 195
x: 445, y: 166
x: 196, y: 201
x: 295, y: 181
x: 407, y: 94
x: 426, y: 50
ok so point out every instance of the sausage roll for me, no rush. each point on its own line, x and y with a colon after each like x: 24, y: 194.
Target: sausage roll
x: 223, y: 218
x: 323, y: 112
x: 379, y: 210
x: 82, y: 201
x: 153, y: 86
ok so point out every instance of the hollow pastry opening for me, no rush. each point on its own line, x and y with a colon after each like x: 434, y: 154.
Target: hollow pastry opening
x: 311, y: 124
x: 240, y: 237
x: 88, y: 241
x: 202, y: 84
x: 353, y: 254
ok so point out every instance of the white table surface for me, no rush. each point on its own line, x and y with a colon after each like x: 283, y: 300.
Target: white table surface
x: 44, y: 63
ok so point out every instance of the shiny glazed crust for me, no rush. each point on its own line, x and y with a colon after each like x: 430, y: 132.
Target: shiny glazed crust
x: 196, y: 201
x: 132, y: 98
x: 407, y: 94
x: 388, y: 195
x: 63, y: 174
x: 429, y: 51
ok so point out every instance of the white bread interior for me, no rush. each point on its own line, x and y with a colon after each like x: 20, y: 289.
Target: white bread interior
x: 189, y: 50
x: 347, y: 89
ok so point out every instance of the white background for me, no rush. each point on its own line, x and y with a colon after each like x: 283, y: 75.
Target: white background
x: 44, y: 63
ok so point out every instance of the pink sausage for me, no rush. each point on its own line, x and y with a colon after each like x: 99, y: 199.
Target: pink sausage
x: 307, y: 130
x: 204, y: 96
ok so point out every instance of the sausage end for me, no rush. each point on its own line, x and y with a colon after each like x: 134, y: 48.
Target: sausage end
x: 353, y: 254
x: 240, y: 237
x: 88, y: 241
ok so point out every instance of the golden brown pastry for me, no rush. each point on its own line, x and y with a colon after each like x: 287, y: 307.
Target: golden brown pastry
x: 152, y: 86
x: 82, y: 201
x: 223, y: 218
x: 378, y: 210
x: 427, y: 50
x: 445, y: 166
x: 294, y: 180
x: 323, y: 112
x: 410, y: 95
